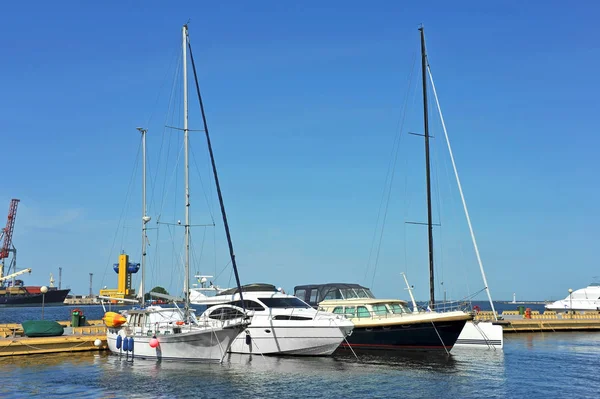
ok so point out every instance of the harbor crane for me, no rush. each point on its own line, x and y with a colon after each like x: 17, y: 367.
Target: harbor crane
x: 6, y: 234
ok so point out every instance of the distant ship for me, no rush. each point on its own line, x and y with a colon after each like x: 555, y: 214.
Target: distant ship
x: 14, y: 292
x: 22, y: 295
x: 583, y: 299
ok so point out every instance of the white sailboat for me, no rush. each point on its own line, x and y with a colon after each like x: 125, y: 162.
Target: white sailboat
x: 174, y: 333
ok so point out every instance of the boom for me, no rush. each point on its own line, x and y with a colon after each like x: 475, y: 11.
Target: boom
x: 9, y: 276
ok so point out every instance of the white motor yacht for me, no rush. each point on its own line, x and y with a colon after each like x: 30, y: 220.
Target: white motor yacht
x: 281, y: 324
x: 583, y: 299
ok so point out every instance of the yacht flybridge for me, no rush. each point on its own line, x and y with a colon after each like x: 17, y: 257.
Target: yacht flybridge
x: 281, y: 324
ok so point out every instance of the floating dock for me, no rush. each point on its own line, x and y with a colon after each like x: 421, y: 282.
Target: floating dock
x: 512, y: 321
x: 75, y: 339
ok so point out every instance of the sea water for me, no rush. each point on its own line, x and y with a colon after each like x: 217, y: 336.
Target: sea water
x: 532, y: 365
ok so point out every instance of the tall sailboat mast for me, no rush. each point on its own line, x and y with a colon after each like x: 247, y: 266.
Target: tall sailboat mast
x: 145, y: 218
x: 186, y: 283
x: 428, y: 171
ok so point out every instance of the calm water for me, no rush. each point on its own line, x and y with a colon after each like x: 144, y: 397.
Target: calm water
x: 551, y: 365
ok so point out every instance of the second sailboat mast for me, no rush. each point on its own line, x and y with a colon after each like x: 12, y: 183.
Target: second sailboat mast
x: 427, y: 169
x: 186, y: 288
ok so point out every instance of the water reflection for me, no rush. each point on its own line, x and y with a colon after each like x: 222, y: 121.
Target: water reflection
x: 467, y: 373
x: 51, y: 360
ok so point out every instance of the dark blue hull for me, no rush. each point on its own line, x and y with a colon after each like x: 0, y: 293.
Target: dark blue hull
x: 417, y: 336
x: 52, y: 298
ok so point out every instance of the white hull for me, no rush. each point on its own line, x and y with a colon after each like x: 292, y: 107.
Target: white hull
x: 289, y: 339
x: 581, y: 300
x: 203, y: 345
x: 577, y: 305
x: 481, y: 334
x: 291, y: 327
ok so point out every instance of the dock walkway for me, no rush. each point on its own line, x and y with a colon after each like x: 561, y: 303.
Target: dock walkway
x: 75, y: 339
x: 549, y: 321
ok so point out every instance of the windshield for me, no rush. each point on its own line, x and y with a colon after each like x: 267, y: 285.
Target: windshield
x: 291, y: 302
x: 398, y: 308
x: 349, y: 293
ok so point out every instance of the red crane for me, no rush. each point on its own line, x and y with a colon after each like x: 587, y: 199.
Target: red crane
x: 7, y: 232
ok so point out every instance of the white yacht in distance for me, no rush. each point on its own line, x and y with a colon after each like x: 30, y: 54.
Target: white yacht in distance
x: 579, y: 300
x: 281, y: 324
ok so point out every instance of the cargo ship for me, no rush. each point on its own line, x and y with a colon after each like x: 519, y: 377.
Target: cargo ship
x: 22, y: 295
x: 13, y: 292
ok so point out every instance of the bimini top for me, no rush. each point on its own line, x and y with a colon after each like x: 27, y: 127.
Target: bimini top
x: 250, y: 288
x: 315, y: 293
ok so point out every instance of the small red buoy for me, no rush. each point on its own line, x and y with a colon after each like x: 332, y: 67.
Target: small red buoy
x: 153, y: 342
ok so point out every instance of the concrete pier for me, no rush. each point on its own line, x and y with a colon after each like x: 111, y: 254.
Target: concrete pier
x: 549, y: 321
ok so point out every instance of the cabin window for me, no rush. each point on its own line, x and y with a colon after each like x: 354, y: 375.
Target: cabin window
x: 363, y: 312
x: 135, y: 320
x: 300, y: 294
x: 291, y: 302
x: 289, y: 317
x: 338, y: 310
x: 380, y: 310
x: 313, y: 295
x: 225, y: 314
x: 396, y: 309
x: 250, y: 305
x: 350, y: 311
x: 334, y: 294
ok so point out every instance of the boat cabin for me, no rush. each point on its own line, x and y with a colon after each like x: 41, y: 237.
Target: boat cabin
x: 366, y: 308
x: 313, y: 294
x: 260, y: 296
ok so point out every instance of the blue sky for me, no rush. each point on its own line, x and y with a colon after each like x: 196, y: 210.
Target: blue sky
x: 304, y: 101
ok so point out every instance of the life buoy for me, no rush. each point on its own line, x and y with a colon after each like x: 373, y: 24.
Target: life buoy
x: 179, y: 323
x: 476, y: 308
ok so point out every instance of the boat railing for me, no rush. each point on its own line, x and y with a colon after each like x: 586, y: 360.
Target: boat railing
x: 449, y: 306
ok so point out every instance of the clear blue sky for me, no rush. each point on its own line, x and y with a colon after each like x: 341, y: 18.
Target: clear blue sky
x: 303, y: 100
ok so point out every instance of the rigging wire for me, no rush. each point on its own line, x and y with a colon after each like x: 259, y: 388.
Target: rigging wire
x: 198, y: 259
x: 406, y: 193
x: 175, y: 56
x: 439, y: 270
x: 391, y: 165
x: 169, y: 116
x: 202, y: 185
x: 391, y: 173
x: 453, y: 220
x: 462, y: 197
x: 127, y: 195
x: 152, y: 181
x: 163, y: 135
